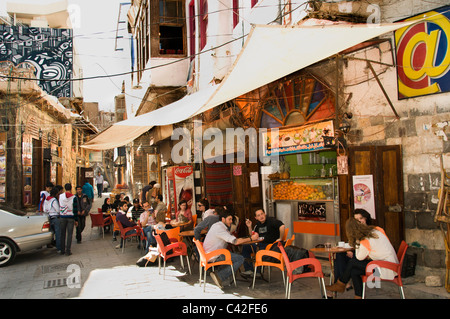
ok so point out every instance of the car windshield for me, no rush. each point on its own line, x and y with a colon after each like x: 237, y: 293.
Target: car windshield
x: 12, y: 210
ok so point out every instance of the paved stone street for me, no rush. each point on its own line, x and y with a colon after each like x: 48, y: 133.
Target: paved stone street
x: 106, y: 272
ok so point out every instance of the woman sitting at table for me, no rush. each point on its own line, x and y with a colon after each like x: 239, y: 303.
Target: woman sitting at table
x: 183, y: 217
x: 342, y: 259
x: 370, y: 243
x: 107, y: 207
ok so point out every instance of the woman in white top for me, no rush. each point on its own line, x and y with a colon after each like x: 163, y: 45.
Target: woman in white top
x: 370, y: 243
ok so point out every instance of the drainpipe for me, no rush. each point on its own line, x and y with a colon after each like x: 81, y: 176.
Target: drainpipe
x: 197, y: 46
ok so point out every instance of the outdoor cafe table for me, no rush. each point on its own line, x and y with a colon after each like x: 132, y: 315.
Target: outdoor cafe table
x: 189, y: 235
x: 331, y: 256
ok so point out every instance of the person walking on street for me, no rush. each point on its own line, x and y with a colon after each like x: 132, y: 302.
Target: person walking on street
x: 99, y: 180
x: 89, y: 191
x: 44, y: 194
x: 68, y: 219
x: 52, y: 208
x: 81, y: 206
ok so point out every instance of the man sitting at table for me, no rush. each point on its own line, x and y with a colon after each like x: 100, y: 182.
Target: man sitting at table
x: 206, y: 223
x: 121, y: 217
x: 269, y: 228
x: 218, y: 237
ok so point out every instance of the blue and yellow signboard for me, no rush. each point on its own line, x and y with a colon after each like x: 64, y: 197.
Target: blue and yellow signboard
x: 423, y: 54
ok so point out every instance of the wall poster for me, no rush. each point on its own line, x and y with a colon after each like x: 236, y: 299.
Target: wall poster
x: 3, y: 167
x: 27, y: 162
x: 363, y: 193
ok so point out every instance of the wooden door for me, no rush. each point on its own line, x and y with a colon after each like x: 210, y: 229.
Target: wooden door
x: 385, y: 165
x: 246, y: 197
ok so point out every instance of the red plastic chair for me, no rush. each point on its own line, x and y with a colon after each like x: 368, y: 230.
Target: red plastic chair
x: 97, y: 220
x: 388, y: 265
x: 316, y: 270
x: 206, y: 264
x: 123, y: 233
x: 169, y: 251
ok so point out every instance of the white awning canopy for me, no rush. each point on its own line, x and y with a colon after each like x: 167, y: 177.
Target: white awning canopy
x: 269, y: 53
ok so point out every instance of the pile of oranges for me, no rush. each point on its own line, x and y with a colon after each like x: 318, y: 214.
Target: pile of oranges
x: 297, y: 191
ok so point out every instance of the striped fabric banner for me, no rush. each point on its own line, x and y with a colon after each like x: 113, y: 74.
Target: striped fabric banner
x: 218, y: 184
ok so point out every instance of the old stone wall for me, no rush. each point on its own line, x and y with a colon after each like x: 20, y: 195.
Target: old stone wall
x: 374, y: 123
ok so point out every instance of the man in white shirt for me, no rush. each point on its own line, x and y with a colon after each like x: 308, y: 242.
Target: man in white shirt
x: 99, y: 181
x: 219, y: 237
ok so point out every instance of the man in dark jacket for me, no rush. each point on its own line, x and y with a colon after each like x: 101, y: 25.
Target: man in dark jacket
x: 81, y: 205
x: 121, y: 217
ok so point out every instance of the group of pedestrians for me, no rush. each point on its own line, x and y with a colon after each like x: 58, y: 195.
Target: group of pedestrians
x: 67, y: 211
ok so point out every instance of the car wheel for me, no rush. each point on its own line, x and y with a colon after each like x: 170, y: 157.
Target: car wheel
x: 7, y: 252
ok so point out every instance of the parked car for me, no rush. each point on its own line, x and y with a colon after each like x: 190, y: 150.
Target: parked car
x: 21, y: 232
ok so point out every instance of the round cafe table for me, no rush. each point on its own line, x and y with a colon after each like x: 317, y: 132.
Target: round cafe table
x: 331, y: 256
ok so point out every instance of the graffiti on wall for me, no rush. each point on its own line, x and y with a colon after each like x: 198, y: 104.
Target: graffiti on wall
x: 423, y: 54
x: 50, y: 51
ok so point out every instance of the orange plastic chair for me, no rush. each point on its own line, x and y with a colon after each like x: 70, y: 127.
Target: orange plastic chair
x: 124, y: 231
x: 259, y: 262
x: 169, y: 251
x: 316, y: 271
x: 173, y: 233
x: 194, y: 220
x: 206, y: 264
x: 286, y: 231
x: 116, y: 226
x: 388, y: 265
x: 97, y: 220
x: 290, y: 241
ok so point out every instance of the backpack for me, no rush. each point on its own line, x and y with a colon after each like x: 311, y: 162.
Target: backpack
x: 294, y: 253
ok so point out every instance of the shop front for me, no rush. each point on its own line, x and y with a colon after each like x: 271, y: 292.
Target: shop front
x: 296, y: 119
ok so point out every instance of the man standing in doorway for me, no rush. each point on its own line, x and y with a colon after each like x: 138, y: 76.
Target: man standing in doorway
x: 99, y: 181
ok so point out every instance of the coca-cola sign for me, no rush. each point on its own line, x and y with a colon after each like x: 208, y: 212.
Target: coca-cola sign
x: 183, y: 171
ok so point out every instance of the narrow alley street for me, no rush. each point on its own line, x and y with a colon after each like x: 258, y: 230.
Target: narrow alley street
x: 107, y: 273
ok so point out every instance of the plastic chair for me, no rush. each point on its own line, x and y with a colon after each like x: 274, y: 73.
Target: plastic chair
x: 173, y: 233
x: 260, y: 262
x: 116, y: 225
x: 124, y: 231
x: 286, y: 231
x: 316, y: 271
x: 388, y: 265
x: 99, y: 210
x: 97, y: 220
x: 194, y: 220
x: 206, y: 264
x: 169, y: 251
x: 290, y: 241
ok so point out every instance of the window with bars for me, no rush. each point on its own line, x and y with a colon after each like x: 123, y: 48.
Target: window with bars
x: 171, y: 24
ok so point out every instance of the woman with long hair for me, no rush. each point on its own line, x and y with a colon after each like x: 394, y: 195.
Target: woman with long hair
x: 370, y: 243
x: 183, y: 217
